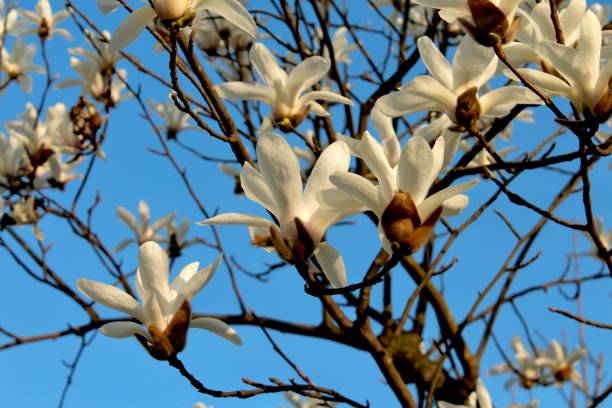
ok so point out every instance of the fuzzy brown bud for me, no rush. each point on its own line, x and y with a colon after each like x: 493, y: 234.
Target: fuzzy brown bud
x: 603, y: 107
x: 490, y: 24
x: 468, y: 108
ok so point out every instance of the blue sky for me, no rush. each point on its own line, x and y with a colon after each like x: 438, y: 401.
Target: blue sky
x: 122, y: 374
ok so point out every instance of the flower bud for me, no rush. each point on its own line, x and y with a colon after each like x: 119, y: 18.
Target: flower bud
x: 468, y: 108
x: 402, y: 225
x: 171, y: 9
x: 490, y: 24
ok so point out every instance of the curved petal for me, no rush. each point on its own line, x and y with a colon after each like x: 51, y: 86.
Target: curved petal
x: 433, y: 202
x: 198, y: 281
x: 473, y: 65
x: 484, y: 399
x: 455, y: 205
x: 549, y: 83
x: 332, y: 264
x: 244, y: 92
x: 402, y: 103
x: 154, y: 267
x: 324, y: 96
x: 130, y: 28
x: 231, y: 10
x: 256, y: 188
x: 500, y: 101
x: 391, y: 145
x: 106, y: 6
x: 218, y: 327
x: 265, y: 64
x: 415, y: 167
x: 304, y: 75
x: 123, y: 330
x: 112, y: 297
x: 183, y: 277
x: 435, y: 62
x: 128, y: 218
x: 237, y: 218
x: 374, y: 158
x: 444, y: 99
x: 279, y: 166
x: 358, y: 187
x: 336, y: 157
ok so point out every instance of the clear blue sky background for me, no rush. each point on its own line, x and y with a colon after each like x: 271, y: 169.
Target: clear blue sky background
x: 120, y: 373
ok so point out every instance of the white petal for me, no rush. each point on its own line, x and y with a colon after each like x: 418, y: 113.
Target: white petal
x: 358, y: 187
x: 332, y: 264
x: 237, y: 218
x: 384, y: 126
x: 484, y: 399
x: 499, y: 102
x: 218, y: 327
x: 154, y: 267
x: 324, y: 96
x: 256, y: 188
x: 550, y: 84
x: 415, y: 168
x: 435, y: 61
x: 376, y: 161
x: 454, y: 205
x: 106, y: 6
x: 334, y: 158
x: 243, y: 91
x: 183, y: 277
x: 112, y: 297
x: 122, y: 330
x: 305, y: 75
x: 280, y: 167
x: 199, y: 280
x: 402, y: 103
x: 130, y: 28
x: 433, y: 202
x: 444, y: 100
x: 473, y: 64
x: 231, y: 10
x: 265, y: 64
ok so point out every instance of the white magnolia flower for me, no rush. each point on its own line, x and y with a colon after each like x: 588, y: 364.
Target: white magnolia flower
x: 176, y: 237
x: 178, y: 11
x: 400, y: 200
x: 477, y: 399
x: 174, y: 120
x: 24, y: 211
x: 585, y: 77
x: 44, y: 21
x: 18, y: 64
x: 214, y: 34
x: 143, y: 229
x: 340, y: 43
x: 562, y: 366
x: 284, y: 93
x: 165, y: 312
x: 9, y: 23
x: 453, y: 90
x: 277, y: 186
x: 530, y: 372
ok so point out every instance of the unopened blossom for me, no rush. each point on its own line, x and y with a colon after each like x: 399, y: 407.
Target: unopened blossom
x: 165, y: 313
x: 529, y: 372
x: 143, y: 229
x: 302, y: 221
x: 561, y: 366
x: 584, y: 76
x: 18, y: 64
x: 406, y: 213
x: 174, y: 120
x: 285, y: 94
x: 179, y: 13
x: 44, y: 22
x: 453, y: 89
x: 487, y: 21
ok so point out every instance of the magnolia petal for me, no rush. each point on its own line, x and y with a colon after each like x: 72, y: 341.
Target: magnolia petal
x: 499, y: 102
x: 112, y: 297
x: 256, y: 188
x: 238, y: 218
x: 549, y: 83
x: 305, y: 75
x: 571, y: 18
x: 106, y: 6
x: 123, y: 330
x: 402, y: 103
x: 484, y: 399
x: 332, y: 264
x: 568, y: 61
x: 123, y: 244
x: 433, y: 202
x: 155, y: 315
x: 415, y: 168
x: 198, y: 281
x: 231, y: 10
x: 384, y: 126
x: 336, y: 157
x: 265, y: 64
x: 324, y: 96
x: 154, y: 267
x: 376, y: 161
x: 358, y: 187
x: 130, y: 28
x: 456, y: 7
x: 444, y: 100
x: 144, y: 212
x: 279, y: 166
x: 317, y: 109
x: 218, y: 327
x: 244, y: 92
x: 455, y: 205
x: 590, y: 43
x: 182, y: 278
x: 473, y: 65
x: 435, y: 61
